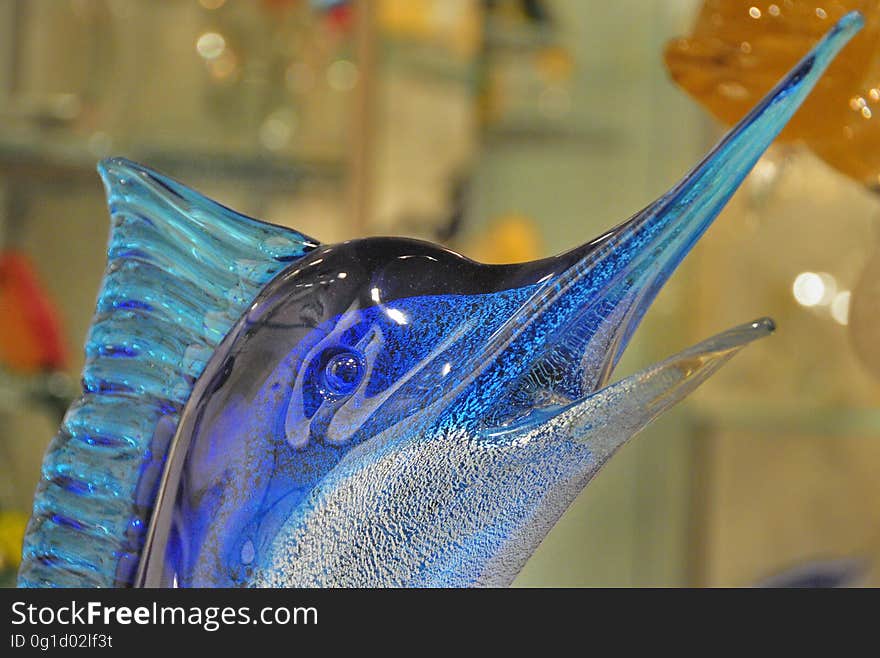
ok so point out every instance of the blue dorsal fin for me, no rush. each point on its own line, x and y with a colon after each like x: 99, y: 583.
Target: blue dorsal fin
x: 180, y: 271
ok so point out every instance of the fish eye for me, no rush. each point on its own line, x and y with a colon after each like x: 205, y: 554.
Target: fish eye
x: 342, y: 372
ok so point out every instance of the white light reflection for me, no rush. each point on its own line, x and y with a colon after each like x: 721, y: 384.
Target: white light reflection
x: 211, y: 45
x: 840, y: 307
x: 277, y: 129
x: 397, y: 316
x: 814, y: 288
x: 342, y: 75
x: 808, y: 288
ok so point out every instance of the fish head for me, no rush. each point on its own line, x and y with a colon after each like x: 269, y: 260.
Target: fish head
x: 352, y: 346
x: 377, y: 325
x: 449, y: 506
x: 422, y: 490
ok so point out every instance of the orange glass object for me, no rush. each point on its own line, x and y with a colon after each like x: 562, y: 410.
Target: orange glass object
x: 509, y: 238
x: 30, y: 334
x: 739, y: 48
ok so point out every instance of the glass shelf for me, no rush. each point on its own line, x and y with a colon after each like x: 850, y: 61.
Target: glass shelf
x: 65, y: 158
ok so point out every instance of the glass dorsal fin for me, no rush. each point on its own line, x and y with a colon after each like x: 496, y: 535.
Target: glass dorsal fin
x: 180, y: 271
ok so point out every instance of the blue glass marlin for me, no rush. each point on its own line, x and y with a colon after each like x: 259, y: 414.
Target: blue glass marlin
x: 261, y: 410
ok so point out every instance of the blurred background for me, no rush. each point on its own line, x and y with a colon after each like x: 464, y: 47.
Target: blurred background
x: 508, y: 130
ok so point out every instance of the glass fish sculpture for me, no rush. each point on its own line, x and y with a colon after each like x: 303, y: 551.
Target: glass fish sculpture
x: 262, y: 410
x: 738, y: 49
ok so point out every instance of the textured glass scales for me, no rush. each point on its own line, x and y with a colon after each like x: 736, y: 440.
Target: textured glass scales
x: 260, y: 410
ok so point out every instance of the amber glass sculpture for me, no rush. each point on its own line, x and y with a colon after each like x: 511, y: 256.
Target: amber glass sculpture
x: 738, y: 49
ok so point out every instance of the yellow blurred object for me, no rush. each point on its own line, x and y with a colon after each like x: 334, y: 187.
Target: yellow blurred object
x: 556, y: 63
x: 738, y: 49
x: 508, y: 239
x: 452, y: 23
x: 12, y: 526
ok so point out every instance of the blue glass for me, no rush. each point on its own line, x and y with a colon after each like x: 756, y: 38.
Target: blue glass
x: 259, y: 410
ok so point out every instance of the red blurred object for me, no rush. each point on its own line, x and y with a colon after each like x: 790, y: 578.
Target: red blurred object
x: 339, y: 16
x: 337, y: 13
x: 30, y: 330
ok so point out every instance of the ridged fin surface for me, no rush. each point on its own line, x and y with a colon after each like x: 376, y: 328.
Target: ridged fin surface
x: 181, y: 269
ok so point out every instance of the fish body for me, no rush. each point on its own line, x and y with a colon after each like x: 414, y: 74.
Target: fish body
x: 262, y: 410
